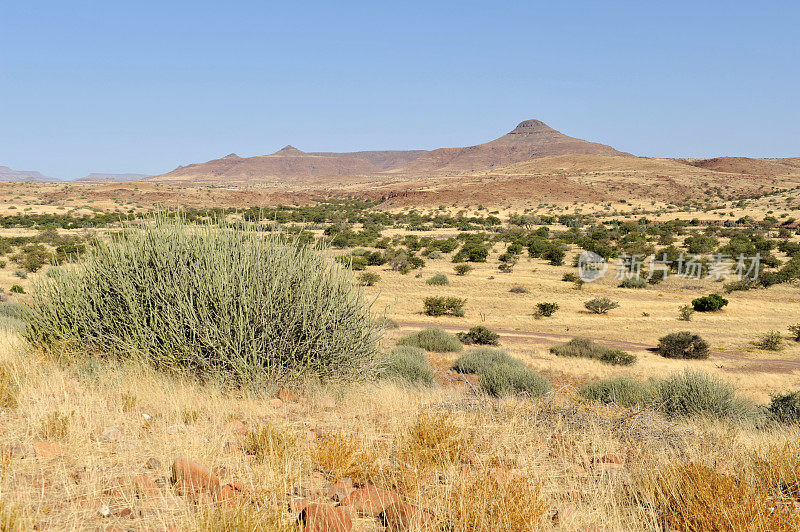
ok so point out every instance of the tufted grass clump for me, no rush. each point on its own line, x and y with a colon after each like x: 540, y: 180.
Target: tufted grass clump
x: 216, y: 300
x: 439, y: 279
x: 580, y: 347
x: 408, y: 365
x: 432, y: 339
x: 693, y: 393
x: 501, y: 374
x: 478, y: 360
x: 623, y: 391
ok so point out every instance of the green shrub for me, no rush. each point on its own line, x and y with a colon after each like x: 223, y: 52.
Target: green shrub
x: 737, y: 286
x: 17, y: 289
x: 785, y: 408
x: 696, y: 394
x: 569, y: 277
x: 477, y: 360
x: 439, y: 279
x: 462, y: 269
x: 585, y: 348
x: 442, y: 305
x: 795, y: 330
x: 770, y: 341
x: 579, y: 347
x: 545, y: 309
x: 432, y: 339
x: 656, y: 276
x: 217, y: 300
x: 517, y: 289
x: 479, y: 335
x: 622, y: 391
x: 368, y: 278
x: 12, y: 310
x: 633, y: 282
x: 709, y: 303
x: 600, y: 305
x: 501, y: 379
x: 408, y: 365
x: 682, y: 345
x: 685, y: 312
x: 617, y: 357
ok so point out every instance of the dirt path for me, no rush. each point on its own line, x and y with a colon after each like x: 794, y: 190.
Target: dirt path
x: 765, y: 365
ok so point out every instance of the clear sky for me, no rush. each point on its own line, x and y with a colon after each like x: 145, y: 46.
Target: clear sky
x: 143, y: 86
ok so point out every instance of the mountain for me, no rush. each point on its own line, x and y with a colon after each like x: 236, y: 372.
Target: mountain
x: 105, y: 178
x: 289, y: 165
x: 531, y: 138
x: 7, y: 174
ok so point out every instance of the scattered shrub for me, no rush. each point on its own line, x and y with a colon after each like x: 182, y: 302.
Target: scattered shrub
x: 439, y: 279
x: 709, y: 303
x: 656, y: 276
x: 462, y: 269
x: 517, y: 289
x: 442, y: 305
x: 409, y: 365
x: 217, y: 300
x: 696, y: 394
x: 785, y: 408
x: 622, y: 391
x: 501, y: 379
x: 633, y: 282
x: 479, y: 335
x: 795, y: 330
x: 432, y: 339
x: 737, y: 286
x: 545, y: 309
x: 585, y: 348
x: 569, y: 277
x: 369, y: 278
x: 600, y: 305
x: 682, y: 345
x: 770, y: 341
x: 477, y: 360
x: 685, y: 312
x: 17, y: 289
x: 617, y: 357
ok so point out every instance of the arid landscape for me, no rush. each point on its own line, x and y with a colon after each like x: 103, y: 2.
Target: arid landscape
x: 405, y: 341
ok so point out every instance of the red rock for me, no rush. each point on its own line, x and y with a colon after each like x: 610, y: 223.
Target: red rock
x: 191, y: 478
x: 371, y: 501
x: 321, y: 517
x: 612, y: 459
x: 124, y: 513
x: 297, y: 504
x: 229, y: 495
x: 400, y: 516
x: 47, y: 449
x: 340, y: 490
x: 287, y: 396
x: 145, y: 487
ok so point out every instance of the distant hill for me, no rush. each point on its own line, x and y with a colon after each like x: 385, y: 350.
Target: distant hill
x: 529, y: 139
x: 105, y: 178
x: 7, y: 174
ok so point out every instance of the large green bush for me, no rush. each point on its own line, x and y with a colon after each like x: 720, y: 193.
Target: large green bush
x: 709, y: 303
x: 215, y: 300
x: 432, y: 339
x: 500, y: 380
x: 409, y: 365
x: 682, y: 345
x: 444, y: 306
x: 696, y: 394
x: 477, y: 360
x: 479, y: 335
x: 580, y: 347
x: 785, y: 408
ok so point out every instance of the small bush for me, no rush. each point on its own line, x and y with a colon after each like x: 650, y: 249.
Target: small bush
x: 709, y: 303
x: 633, y: 282
x: 579, y: 347
x: 696, y: 394
x: 656, y: 277
x: 479, y: 335
x: 770, y: 341
x: 622, y: 391
x: 17, y: 289
x: 737, y: 286
x: 617, y: 357
x: 368, y: 278
x: 432, y: 339
x: 478, y: 360
x: 517, y: 289
x: 785, y: 408
x: 409, y: 365
x: 545, y: 309
x: 682, y: 345
x: 462, y: 269
x: 439, y: 279
x: 444, y: 306
x: 795, y: 330
x: 600, y: 305
x: 501, y: 379
x: 685, y: 312
x: 569, y: 277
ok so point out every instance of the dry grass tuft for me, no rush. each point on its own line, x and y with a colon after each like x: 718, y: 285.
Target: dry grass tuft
x: 695, y: 497
x: 778, y: 468
x: 435, y: 440
x: 55, y: 426
x: 10, y: 520
x: 269, y: 443
x: 244, y: 518
x: 339, y: 455
x: 9, y: 386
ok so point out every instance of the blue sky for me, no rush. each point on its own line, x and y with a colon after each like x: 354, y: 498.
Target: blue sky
x: 145, y: 86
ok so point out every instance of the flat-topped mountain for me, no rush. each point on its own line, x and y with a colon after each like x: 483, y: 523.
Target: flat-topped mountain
x: 7, y: 174
x: 98, y: 177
